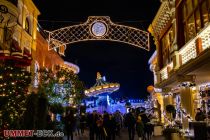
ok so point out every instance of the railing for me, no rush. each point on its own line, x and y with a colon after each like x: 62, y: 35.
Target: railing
x: 188, y: 51
x: 164, y: 73
x: 205, y: 37
x: 170, y: 66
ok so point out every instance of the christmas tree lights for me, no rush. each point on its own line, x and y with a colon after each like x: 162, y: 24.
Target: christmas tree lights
x: 14, y: 83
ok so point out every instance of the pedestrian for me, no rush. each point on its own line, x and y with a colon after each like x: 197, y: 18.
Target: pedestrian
x: 139, y: 127
x: 145, y: 121
x: 130, y: 122
x: 110, y: 127
x: 82, y: 122
x: 100, y: 131
x: 77, y: 124
x: 119, y: 119
x: 92, y: 118
x: 199, y: 115
x: 69, y: 124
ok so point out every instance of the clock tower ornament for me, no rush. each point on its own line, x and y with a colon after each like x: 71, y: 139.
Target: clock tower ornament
x: 99, y: 29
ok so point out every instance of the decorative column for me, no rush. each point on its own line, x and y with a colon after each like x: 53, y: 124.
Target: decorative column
x: 199, y: 47
x: 167, y: 99
x: 187, y: 98
x: 187, y: 101
x: 160, y: 105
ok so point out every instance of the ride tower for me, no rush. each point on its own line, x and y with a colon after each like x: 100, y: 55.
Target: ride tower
x: 101, y: 91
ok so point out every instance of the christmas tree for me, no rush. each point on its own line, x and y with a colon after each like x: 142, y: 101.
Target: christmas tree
x: 14, y: 83
x: 59, y: 86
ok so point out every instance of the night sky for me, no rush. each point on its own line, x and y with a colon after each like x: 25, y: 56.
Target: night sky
x: 119, y: 62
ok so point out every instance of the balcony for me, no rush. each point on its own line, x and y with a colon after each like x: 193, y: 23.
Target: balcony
x: 190, y: 51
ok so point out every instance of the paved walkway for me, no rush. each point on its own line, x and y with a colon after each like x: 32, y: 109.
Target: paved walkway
x: 124, y: 136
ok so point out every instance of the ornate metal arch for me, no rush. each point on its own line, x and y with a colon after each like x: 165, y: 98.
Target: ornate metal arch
x: 98, y: 28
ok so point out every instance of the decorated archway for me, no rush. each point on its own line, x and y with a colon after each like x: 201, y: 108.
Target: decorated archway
x: 98, y: 28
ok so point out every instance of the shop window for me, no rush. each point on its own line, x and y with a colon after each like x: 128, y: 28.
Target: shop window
x: 27, y: 26
x: 166, y: 43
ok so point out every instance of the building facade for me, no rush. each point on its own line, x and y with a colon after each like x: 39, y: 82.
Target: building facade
x: 23, y: 41
x: 181, y: 65
x: 18, y: 23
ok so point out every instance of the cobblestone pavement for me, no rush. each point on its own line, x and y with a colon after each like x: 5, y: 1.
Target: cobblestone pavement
x: 124, y: 136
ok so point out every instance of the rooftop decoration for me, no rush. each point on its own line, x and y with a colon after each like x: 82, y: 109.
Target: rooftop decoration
x: 102, y: 87
x: 71, y: 67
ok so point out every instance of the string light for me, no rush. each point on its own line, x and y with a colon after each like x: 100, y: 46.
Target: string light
x: 14, y: 83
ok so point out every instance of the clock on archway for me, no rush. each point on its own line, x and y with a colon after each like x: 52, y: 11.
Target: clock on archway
x: 99, y: 29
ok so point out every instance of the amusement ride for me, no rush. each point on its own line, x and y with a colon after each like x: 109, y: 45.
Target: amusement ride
x: 101, y: 91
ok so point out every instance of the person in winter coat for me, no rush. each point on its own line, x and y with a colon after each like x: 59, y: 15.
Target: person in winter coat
x: 110, y: 127
x: 139, y: 127
x: 130, y: 122
x: 82, y: 123
x: 69, y: 125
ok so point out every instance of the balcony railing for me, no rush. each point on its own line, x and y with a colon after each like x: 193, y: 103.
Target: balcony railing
x: 205, y: 37
x: 189, y: 51
x: 165, y: 71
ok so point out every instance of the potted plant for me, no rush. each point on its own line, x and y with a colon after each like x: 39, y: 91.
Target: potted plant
x: 172, y: 111
x: 171, y: 133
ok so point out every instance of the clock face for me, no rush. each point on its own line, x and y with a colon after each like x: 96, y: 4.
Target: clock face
x: 98, y: 29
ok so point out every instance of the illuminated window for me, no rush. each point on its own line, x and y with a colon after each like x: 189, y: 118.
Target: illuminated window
x: 166, y: 43
x: 194, y: 17
x: 27, y: 26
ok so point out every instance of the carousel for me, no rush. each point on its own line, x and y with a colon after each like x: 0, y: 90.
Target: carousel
x: 99, y: 93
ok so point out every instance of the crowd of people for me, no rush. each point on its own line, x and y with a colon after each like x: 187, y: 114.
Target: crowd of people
x: 107, y: 126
